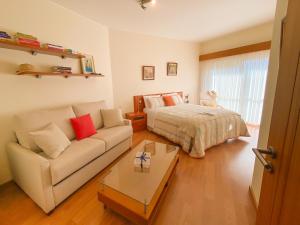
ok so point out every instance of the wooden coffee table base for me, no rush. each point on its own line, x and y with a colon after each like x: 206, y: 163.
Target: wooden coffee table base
x: 133, y: 210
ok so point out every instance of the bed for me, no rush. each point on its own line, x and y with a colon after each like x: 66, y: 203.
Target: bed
x: 194, y: 127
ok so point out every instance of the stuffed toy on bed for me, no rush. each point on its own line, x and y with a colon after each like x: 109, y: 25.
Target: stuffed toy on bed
x: 209, y: 98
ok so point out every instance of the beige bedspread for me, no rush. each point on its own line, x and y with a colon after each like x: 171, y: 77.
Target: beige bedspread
x: 197, y: 128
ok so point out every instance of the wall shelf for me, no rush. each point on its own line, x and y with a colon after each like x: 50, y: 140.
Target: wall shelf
x: 34, y: 50
x: 66, y: 75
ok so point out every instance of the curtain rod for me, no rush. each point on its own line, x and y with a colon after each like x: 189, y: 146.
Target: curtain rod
x: 237, y: 51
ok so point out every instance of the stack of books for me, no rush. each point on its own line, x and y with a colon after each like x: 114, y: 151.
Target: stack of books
x: 4, y: 36
x: 61, y: 69
x: 26, y: 39
x: 67, y: 50
x: 57, y: 48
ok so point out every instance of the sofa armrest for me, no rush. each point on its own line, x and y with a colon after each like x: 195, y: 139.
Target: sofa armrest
x: 32, y: 173
x: 127, y: 122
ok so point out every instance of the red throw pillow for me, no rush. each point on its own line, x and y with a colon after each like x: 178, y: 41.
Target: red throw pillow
x: 83, y: 126
x: 168, y: 100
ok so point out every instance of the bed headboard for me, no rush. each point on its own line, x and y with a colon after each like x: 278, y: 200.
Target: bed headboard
x: 139, y: 104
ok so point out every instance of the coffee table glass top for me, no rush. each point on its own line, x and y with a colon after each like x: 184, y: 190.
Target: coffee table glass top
x: 141, y: 183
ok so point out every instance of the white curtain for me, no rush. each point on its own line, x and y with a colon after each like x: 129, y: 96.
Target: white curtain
x: 239, y: 82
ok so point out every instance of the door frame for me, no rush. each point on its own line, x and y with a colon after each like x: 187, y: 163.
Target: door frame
x: 284, y: 120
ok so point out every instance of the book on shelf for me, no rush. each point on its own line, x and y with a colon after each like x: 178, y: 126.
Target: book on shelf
x: 55, y: 49
x: 63, y: 72
x: 6, y: 39
x: 25, y: 36
x: 98, y: 74
x: 28, y: 42
x: 30, y: 45
x: 61, y: 69
x: 70, y: 51
x: 52, y: 47
x: 4, y: 35
x: 47, y: 45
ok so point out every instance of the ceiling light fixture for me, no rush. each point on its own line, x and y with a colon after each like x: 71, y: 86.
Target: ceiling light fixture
x: 144, y: 3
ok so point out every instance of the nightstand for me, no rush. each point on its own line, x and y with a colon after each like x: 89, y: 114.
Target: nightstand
x: 138, y: 120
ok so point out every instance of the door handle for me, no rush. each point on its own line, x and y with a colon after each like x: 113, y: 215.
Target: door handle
x: 259, y: 154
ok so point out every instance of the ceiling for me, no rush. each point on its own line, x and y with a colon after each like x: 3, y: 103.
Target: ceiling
x: 192, y: 20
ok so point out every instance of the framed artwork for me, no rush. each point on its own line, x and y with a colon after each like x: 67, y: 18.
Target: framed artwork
x: 172, y: 69
x: 148, y: 72
x: 87, y: 64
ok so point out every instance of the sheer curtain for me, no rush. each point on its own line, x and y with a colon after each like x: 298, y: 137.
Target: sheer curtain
x: 239, y: 82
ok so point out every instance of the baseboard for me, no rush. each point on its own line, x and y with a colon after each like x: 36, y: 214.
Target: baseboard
x: 252, y: 196
x: 6, y: 180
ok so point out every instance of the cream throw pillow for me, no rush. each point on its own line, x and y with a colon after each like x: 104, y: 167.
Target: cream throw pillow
x: 112, y: 117
x: 156, y: 102
x: 146, y: 99
x: 51, y: 140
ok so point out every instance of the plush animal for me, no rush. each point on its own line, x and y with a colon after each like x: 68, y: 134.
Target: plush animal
x: 209, y: 98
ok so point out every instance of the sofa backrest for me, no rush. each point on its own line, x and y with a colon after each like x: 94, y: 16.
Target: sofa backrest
x: 92, y: 108
x: 32, y: 121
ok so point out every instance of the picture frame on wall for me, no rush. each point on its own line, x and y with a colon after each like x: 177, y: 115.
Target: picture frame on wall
x: 148, y: 72
x: 172, y: 68
x: 87, y: 64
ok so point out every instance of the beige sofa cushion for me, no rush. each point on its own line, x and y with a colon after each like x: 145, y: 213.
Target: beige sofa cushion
x: 61, y: 117
x: 76, y: 156
x: 112, y: 117
x: 92, y: 108
x: 113, y: 136
x: 32, y: 121
x: 51, y: 140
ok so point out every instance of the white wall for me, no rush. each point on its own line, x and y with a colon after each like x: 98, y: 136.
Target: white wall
x: 54, y: 24
x: 244, y: 37
x: 130, y: 51
x: 269, y: 96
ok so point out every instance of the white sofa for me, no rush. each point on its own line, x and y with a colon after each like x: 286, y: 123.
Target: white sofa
x: 49, y: 181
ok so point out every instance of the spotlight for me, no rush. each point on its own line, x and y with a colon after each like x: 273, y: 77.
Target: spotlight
x: 144, y: 3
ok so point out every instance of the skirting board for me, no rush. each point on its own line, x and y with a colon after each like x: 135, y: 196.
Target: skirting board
x: 253, y: 198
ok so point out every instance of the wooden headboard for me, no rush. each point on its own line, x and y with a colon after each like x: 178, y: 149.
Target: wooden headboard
x: 139, y: 104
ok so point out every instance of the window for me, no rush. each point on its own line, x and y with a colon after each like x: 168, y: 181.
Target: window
x: 239, y: 82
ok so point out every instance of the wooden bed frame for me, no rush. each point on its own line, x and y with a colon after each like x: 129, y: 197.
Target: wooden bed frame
x: 139, y: 104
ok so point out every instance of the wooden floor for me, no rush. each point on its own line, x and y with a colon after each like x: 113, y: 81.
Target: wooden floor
x: 209, y: 191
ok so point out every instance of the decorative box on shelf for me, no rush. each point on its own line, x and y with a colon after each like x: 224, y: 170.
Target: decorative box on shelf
x: 138, y: 120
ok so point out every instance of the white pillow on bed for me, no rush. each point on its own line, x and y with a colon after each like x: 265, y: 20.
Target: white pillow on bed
x: 153, y: 103
x: 176, y: 98
x: 156, y: 102
x: 146, y: 100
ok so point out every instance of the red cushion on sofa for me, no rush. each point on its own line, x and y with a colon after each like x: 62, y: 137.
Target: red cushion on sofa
x: 83, y: 126
x: 168, y: 100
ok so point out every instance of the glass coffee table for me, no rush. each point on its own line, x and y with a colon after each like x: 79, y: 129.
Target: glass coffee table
x: 135, y: 192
